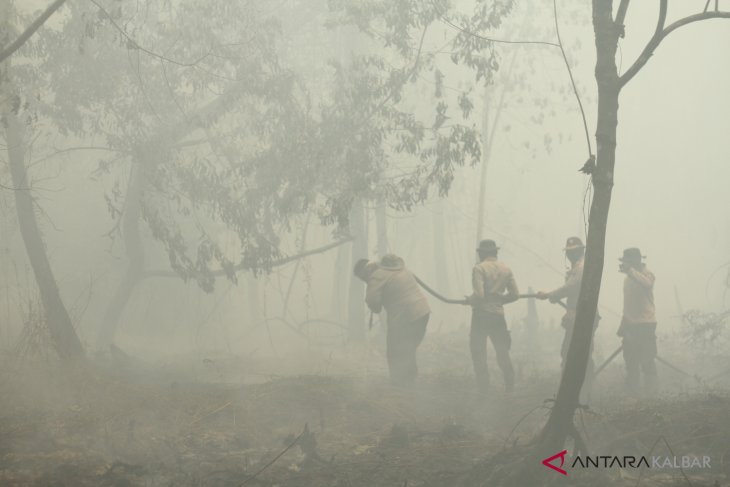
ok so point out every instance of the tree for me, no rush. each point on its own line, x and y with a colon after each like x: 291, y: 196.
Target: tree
x: 14, y: 118
x: 608, y: 29
x: 204, y: 136
x: 8, y: 50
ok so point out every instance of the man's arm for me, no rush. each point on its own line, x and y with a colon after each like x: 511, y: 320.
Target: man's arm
x: 477, y: 285
x: 513, y: 293
x: 559, y: 293
x: 563, y: 291
x: 374, y: 296
x: 645, y: 277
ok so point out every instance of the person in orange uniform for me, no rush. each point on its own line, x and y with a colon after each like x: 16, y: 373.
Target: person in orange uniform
x: 393, y: 287
x: 493, y: 286
x: 575, y: 253
x: 638, y: 324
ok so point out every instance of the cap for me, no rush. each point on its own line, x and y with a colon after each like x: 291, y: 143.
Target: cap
x: 574, y: 243
x: 487, y: 246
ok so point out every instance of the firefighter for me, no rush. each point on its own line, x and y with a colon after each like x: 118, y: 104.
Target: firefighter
x: 493, y: 286
x: 575, y: 253
x: 391, y: 286
x: 638, y: 324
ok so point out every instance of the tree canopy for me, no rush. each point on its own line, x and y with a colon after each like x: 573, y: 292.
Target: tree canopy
x: 194, y: 101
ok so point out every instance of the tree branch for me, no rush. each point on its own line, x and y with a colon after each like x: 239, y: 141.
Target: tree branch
x: 30, y: 30
x: 649, y: 48
x: 621, y: 13
x: 442, y: 18
x: 133, y: 43
x: 276, y: 263
x: 491, y: 39
x: 662, y: 32
x: 572, y: 81
x: 81, y: 148
x: 695, y: 18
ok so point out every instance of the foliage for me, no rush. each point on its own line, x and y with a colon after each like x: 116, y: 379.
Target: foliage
x: 229, y: 141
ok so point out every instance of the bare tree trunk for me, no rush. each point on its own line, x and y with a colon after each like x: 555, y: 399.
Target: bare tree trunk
x: 292, y: 280
x: 61, y: 329
x: 356, y: 305
x: 135, y: 255
x: 439, y: 249
x: 27, y: 33
x: 488, y: 134
x: 560, y: 424
x: 486, y: 152
x: 254, y: 307
x: 340, y: 276
x: 532, y: 324
x: 381, y: 226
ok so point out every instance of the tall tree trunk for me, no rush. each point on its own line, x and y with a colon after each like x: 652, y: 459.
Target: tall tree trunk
x: 356, y: 305
x: 381, y: 227
x: 148, y: 154
x: 135, y: 256
x: 340, y: 276
x: 439, y: 249
x: 63, y: 335
x: 560, y: 424
x: 532, y: 324
x: 486, y: 152
x: 254, y: 307
x: 61, y: 329
x: 488, y: 133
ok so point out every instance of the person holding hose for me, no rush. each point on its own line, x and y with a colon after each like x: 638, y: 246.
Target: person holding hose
x: 493, y: 286
x: 574, y: 252
x: 393, y: 287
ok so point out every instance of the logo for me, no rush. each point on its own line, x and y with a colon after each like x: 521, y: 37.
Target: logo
x: 627, y: 461
x: 560, y: 455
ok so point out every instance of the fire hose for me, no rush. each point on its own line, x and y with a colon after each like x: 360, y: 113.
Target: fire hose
x: 437, y: 295
x: 464, y: 301
x: 522, y: 296
x: 446, y: 300
x: 534, y: 295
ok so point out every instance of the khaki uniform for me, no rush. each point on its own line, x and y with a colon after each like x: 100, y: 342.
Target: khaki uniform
x: 570, y: 291
x: 493, y: 285
x: 490, y: 279
x: 639, y: 296
x: 391, y: 286
x: 638, y: 328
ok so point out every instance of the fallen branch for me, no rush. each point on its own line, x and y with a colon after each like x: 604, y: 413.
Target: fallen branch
x: 289, y: 447
x: 221, y: 408
x: 524, y: 417
x: 241, y: 266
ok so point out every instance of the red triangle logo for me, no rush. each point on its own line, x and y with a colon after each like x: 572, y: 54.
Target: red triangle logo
x: 560, y: 455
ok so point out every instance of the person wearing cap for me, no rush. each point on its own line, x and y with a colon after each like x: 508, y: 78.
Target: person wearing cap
x: 393, y: 287
x: 575, y: 253
x: 638, y: 324
x: 494, y: 286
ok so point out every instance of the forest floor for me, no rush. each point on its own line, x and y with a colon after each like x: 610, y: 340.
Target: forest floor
x: 98, y: 429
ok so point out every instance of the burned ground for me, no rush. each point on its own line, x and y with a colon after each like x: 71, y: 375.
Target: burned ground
x: 113, y: 430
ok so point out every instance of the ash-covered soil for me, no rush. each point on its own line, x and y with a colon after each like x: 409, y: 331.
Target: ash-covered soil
x: 94, y: 428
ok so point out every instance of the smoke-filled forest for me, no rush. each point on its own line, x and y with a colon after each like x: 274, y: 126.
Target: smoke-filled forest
x: 364, y: 243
